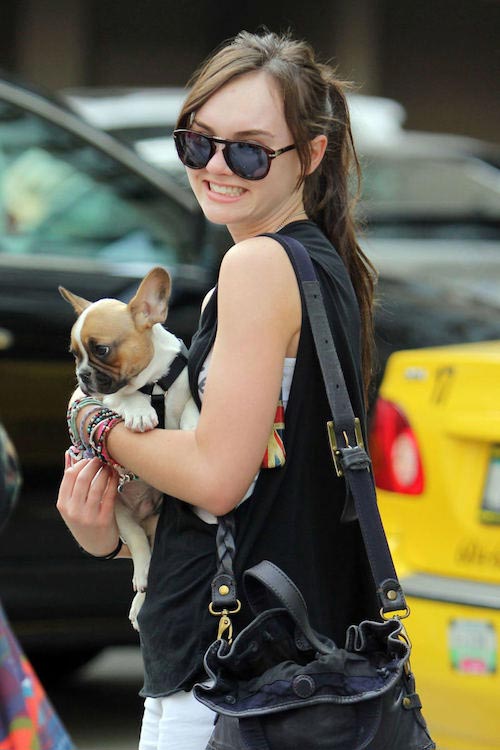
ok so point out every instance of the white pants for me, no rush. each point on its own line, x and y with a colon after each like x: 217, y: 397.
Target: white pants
x: 177, y: 722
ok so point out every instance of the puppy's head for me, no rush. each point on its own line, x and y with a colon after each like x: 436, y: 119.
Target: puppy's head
x: 111, y: 341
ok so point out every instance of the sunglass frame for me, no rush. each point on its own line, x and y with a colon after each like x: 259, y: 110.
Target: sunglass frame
x: 214, y: 139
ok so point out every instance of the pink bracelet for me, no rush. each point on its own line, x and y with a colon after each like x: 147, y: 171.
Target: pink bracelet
x: 103, y: 440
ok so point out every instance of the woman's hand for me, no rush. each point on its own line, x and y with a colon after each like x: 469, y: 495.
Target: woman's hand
x: 86, y: 502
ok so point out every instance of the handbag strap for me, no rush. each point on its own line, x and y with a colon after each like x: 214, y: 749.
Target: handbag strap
x: 349, y: 456
x: 266, y: 578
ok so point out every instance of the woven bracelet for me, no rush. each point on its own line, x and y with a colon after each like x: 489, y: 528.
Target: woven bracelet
x: 72, y: 414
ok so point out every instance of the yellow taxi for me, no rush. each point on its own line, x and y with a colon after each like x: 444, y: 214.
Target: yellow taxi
x: 435, y: 445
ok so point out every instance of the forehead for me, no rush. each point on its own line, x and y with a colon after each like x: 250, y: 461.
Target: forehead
x: 247, y: 103
x: 106, y: 320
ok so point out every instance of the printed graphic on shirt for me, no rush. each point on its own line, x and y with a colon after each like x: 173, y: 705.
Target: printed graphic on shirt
x: 275, y: 451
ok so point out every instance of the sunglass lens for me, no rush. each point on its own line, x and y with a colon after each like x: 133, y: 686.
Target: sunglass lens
x: 247, y: 160
x: 194, y: 149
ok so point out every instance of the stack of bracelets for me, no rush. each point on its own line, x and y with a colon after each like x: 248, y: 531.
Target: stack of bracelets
x: 89, y: 440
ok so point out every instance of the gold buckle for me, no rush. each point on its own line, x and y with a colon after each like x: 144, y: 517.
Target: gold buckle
x: 401, y: 614
x: 403, y: 636
x: 336, y: 454
x: 225, y: 623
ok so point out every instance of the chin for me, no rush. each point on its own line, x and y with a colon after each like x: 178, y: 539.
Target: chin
x: 224, y: 213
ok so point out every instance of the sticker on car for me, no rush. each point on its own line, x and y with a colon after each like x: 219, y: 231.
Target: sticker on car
x: 473, y: 646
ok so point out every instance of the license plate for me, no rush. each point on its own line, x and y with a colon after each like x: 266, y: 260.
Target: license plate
x: 490, y: 507
x: 473, y: 646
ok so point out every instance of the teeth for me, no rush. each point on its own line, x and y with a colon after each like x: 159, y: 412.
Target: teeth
x: 226, y: 189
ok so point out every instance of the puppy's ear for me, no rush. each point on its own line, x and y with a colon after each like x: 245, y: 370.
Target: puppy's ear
x: 79, y: 303
x: 150, y: 304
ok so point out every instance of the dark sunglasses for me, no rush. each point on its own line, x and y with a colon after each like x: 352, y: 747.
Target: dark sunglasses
x: 247, y: 160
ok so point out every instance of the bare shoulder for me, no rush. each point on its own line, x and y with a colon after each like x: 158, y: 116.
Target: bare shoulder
x: 258, y: 248
x: 258, y: 289
x: 261, y: 262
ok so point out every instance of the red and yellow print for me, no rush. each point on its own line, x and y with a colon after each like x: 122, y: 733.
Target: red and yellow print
x: 274, y: 456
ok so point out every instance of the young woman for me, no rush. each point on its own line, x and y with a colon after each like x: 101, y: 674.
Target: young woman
x: 265, y: 137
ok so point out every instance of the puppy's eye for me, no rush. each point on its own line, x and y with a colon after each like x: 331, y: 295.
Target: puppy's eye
x: 101, y: 350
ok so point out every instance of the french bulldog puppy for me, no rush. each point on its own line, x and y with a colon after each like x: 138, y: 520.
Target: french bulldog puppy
x: 119, y: 349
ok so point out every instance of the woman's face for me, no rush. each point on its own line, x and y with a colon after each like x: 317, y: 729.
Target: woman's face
x: 248, y: 108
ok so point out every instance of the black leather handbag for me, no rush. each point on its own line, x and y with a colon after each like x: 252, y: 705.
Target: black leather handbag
x: 282, y: 686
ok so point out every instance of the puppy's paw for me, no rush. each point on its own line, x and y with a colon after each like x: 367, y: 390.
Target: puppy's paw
x: 135, y: 409
x: 140, y: 579
x: 142, y: 422
x: 137, y: 603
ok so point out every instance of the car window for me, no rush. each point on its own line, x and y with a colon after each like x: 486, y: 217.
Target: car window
x: 439, y: 196
x: 60, y: 195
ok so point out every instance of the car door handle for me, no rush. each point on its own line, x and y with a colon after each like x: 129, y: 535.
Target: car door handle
x: 6, y: 339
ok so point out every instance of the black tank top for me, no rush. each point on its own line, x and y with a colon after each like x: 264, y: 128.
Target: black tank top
x: 292, y: 518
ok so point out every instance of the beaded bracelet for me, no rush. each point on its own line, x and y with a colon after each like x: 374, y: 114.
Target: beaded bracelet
x: 101, y: 414
x: 98, y: 437
x: 109, y: 556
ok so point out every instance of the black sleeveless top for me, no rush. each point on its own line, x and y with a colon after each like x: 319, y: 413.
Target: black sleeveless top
x: 292, y: 518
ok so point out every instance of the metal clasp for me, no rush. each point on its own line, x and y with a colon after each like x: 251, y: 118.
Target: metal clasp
x: 403, y: 636
x: 225, y: 624
x: 399, y: 616
x: 336, y: 453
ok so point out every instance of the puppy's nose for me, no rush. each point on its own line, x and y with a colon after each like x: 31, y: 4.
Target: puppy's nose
x: 85, y: 376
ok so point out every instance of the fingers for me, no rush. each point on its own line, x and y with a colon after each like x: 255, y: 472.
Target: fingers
x: 86, y: 503
x: 109, y: 495
x: 88, y: 487
x: 74, y: 470
x: 71, y: 472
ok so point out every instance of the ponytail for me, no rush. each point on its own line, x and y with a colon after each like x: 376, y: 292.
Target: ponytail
x: 329, y: 200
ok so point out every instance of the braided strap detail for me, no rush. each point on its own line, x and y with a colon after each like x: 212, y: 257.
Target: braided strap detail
x: 225, y: 544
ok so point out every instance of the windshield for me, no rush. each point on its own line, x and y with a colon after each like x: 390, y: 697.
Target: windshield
x: 434, y: 196
x: 61, y: 195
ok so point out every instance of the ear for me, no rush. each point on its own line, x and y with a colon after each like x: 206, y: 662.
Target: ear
x: 150, y: 304
x: 317, y: 150
x: 79, y: 303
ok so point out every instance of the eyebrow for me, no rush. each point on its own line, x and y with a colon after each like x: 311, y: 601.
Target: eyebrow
x: 239, y: 134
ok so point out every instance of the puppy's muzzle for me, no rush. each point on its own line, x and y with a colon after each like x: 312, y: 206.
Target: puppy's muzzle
x: 96, y: 382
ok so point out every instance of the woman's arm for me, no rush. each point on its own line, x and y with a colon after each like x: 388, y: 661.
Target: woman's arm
x: 259, y: 318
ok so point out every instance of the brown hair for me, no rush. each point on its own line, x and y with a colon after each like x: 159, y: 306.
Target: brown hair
x: 314, y: 103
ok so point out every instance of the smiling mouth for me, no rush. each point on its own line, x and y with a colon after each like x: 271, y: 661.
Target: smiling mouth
x: 234, y: 192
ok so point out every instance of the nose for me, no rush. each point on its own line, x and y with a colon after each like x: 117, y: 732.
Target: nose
x: 85, y: 376
x: 218, y: 163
